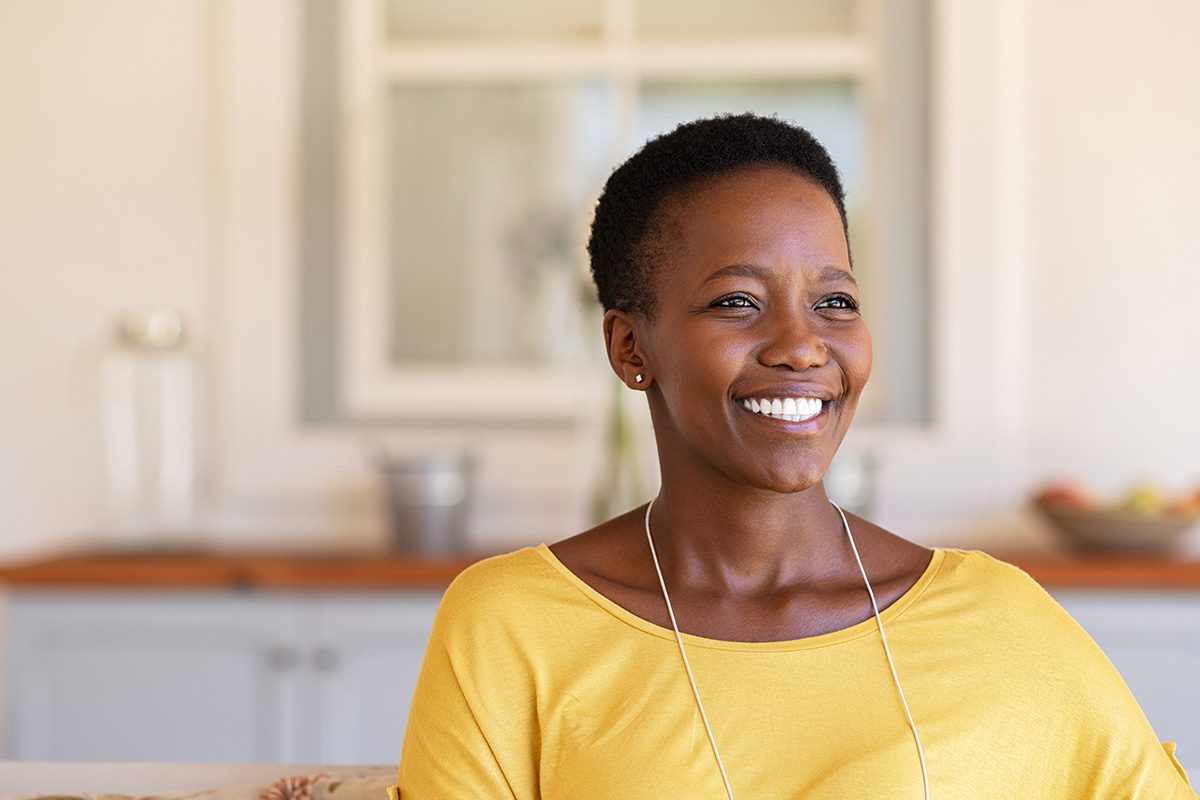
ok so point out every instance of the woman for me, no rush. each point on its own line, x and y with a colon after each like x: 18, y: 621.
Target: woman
x: 787, y: 651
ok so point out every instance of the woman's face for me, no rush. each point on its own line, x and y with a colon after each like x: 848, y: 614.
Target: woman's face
x: 756, y: 302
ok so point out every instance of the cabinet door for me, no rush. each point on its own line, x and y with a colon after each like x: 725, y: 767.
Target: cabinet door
x: 1153, y: 639
x: 151, y: 677
x: 367, y: 653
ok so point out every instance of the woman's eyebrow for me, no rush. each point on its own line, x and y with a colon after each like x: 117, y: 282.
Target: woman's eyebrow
x: 738, y: 270
x: 831, y: 273
x: 828, y: 273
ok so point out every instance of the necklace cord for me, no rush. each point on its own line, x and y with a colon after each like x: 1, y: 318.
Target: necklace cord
x: 688, y: 667
x: 887, y: 651
x: 692, y: 680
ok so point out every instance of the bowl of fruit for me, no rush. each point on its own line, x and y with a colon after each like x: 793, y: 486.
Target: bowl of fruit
x: 1145, y: 520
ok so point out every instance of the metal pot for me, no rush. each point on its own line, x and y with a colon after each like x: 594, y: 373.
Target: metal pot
x: 429, y: 497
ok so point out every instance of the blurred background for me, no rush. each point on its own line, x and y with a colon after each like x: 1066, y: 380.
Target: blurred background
x: 309, y: 277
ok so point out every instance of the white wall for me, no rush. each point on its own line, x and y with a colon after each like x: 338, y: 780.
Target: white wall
x: 1113, y: 277
x: 1067, y: 341
x: 1065, y: 269
x: 102, y: 206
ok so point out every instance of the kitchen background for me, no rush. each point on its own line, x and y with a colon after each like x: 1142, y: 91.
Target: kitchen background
x: 342, y: 235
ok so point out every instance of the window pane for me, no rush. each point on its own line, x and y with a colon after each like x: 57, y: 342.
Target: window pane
x: 721, y: 19
x: 425, y: 20
x: 490, y: 190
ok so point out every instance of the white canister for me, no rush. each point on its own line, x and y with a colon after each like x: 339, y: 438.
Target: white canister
x: 148, y: 400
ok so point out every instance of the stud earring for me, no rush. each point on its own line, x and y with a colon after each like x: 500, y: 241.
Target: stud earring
x: 638, y: 378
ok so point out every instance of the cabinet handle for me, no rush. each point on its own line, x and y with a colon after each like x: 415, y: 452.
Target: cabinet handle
x: 281, y: 658
x: 325, y: 659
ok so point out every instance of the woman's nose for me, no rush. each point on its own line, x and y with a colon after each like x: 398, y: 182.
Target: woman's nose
x: 793, y: 341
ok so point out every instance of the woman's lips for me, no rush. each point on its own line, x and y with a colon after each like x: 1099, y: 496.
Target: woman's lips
x: 809, y: 426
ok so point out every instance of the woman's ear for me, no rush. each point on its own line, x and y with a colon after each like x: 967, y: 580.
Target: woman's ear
x: 625, y: 353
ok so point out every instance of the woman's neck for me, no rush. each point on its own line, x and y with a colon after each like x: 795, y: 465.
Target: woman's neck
x: 743, y: 540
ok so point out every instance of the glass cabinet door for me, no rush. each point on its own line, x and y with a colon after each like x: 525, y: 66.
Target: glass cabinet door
x: 488, y: 198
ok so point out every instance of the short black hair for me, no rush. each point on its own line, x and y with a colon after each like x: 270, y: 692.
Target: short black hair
x: 628, y: 232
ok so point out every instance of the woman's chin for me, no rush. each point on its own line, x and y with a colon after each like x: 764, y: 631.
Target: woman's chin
x: 792, y: 481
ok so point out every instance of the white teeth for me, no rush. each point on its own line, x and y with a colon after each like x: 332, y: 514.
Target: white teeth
x: 792, y: 409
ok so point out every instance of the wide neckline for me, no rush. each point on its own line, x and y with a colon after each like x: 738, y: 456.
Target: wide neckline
x: 855, y: 631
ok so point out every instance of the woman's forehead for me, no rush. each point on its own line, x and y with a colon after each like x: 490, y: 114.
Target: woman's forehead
x: 764, y: 215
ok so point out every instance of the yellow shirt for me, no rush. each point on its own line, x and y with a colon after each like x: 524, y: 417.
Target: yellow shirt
x: 534, y: 685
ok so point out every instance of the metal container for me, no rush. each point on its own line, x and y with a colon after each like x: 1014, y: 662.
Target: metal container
x: 429, y: 497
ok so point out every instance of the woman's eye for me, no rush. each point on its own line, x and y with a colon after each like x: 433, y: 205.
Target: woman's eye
x: 839, y: 302
x: 734, y: 301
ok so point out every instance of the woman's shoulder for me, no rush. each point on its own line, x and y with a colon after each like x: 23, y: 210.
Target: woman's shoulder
x: 514, y: 577
x: 499, y: 604
x: 980, y: 570
x: 976, y: 594
x: 985, y: 597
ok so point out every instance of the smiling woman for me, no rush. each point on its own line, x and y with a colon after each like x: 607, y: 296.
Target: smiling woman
x: 739, y: 634
x: 783, y: 326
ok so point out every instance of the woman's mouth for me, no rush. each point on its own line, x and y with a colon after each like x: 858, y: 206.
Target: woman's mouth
x: 792, y: 409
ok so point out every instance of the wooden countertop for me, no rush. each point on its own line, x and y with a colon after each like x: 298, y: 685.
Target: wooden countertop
x: 258, y: 571
x: 1110, y: 572
x: 375, y: 572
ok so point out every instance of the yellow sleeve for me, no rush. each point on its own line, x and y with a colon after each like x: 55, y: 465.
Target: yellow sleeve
x: 1124, y: 757
x: 1171, y: 747
x: 1103, y: 732
x: 446, y: 753
x: 465, y: 739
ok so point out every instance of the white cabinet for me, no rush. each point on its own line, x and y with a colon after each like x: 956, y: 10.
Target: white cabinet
x: 1153, y: 639
x: 366, y: 662
x: 142, y: 676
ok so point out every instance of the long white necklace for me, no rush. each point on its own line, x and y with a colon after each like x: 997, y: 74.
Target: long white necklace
x: 696, y: 692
